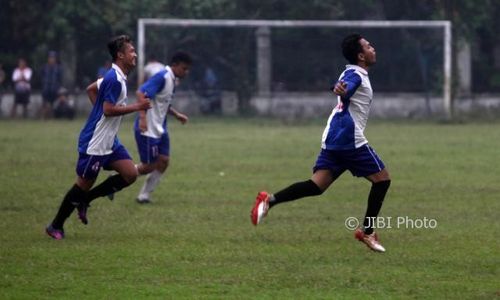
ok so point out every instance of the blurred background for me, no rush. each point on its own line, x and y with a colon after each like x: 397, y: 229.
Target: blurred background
x: 407, y: 79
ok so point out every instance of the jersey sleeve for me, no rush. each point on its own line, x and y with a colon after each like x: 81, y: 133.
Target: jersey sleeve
x: 111, y: 90
x: 28, y: 74
x: 353, y: 81
x: 153, y: 85
x: 99, y: 82
x: 16, y: 75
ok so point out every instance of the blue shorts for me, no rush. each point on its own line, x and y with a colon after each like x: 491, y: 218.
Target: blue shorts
x: 361, y: 162
x: 150, y: 148
x: 88, y: 166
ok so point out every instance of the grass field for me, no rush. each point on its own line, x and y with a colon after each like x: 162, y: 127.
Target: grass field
x: 196, y: 241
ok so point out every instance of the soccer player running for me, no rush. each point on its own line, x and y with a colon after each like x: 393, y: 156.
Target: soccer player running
x: 151, y: 131
x: 98, y: 145
x: 343, y: 146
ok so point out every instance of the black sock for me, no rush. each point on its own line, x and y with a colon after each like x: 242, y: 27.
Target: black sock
x: 296, y: 191
x: 111, y: 185
x: 74, y: 195
x: 375, y: 199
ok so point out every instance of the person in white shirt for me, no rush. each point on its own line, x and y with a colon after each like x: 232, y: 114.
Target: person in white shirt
x: 98, y: 143
x: 152, y: 67
x: 151, y: 130
x: 343, y: 145
x: 22, y: 88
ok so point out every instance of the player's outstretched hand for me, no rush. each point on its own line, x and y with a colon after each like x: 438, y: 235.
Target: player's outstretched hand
x: 182, y: 118
x: 340, y: 88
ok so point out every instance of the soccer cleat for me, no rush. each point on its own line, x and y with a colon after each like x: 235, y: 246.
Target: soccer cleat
x: 143, y: 201
x: 82, y: 208
x: 370, y: 240
x: 260, y: 208
x: 56, y: 234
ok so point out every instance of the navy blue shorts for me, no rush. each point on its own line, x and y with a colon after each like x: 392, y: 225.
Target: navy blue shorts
x: 88, y: 166
x: 361, y: 162
x: 150, y: 148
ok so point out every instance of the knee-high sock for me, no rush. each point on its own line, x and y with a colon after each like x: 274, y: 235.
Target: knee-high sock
x: 74, y: 196
x: 111, y: 185
x: 296, y: 191
x: 375, y: 200
x: 150, y: 184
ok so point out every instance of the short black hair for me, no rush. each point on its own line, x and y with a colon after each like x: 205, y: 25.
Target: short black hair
x: 116, y: 44
x: 181, y: 56
x: 351, y: 48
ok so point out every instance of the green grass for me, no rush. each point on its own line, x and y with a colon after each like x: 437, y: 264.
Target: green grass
x: 196, y: 241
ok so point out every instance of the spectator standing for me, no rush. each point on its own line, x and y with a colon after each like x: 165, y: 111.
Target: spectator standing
x: 210, y: 92
x: 52, y: 75
x: 21, y: 77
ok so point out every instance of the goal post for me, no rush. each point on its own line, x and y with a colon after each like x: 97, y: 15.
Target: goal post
x: 183, y: 23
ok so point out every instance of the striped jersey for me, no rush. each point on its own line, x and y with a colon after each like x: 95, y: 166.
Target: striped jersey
x: 98, y: 136
x: 346, y: 124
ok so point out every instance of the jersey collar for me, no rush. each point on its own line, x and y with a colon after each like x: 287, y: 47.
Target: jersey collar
x: 170, y: 72
x: 358, y: 68
x: 119, y: 71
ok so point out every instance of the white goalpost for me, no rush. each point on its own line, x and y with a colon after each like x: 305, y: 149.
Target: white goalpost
x: 266, y: 24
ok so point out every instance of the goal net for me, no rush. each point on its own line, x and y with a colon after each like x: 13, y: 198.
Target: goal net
x: 252, y: 57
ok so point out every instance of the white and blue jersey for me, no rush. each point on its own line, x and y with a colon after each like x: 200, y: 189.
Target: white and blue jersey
x: 344, y: 146
x: 98, y: 136
x: 347, y: 122
x: 160, y: 89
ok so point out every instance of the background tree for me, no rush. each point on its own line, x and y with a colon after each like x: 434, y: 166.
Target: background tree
x: 79, y: 30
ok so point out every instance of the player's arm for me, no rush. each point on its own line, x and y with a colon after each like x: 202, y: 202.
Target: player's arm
x: 179, y: 116
x: 143, y: 123
x: 92, y: 92
x: 148, y: 91
x: 347, y: 86
x: 111, y: 93
x: 169, y: 87
x: 112, y: 110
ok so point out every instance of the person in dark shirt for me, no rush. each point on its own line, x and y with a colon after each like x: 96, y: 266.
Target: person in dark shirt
x: 52, y: 75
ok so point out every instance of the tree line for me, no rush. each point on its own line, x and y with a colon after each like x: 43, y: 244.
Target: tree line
x: 79, y: 30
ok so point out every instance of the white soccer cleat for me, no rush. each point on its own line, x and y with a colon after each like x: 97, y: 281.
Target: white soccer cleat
x: 260, y: 209
x: 370, y: 240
